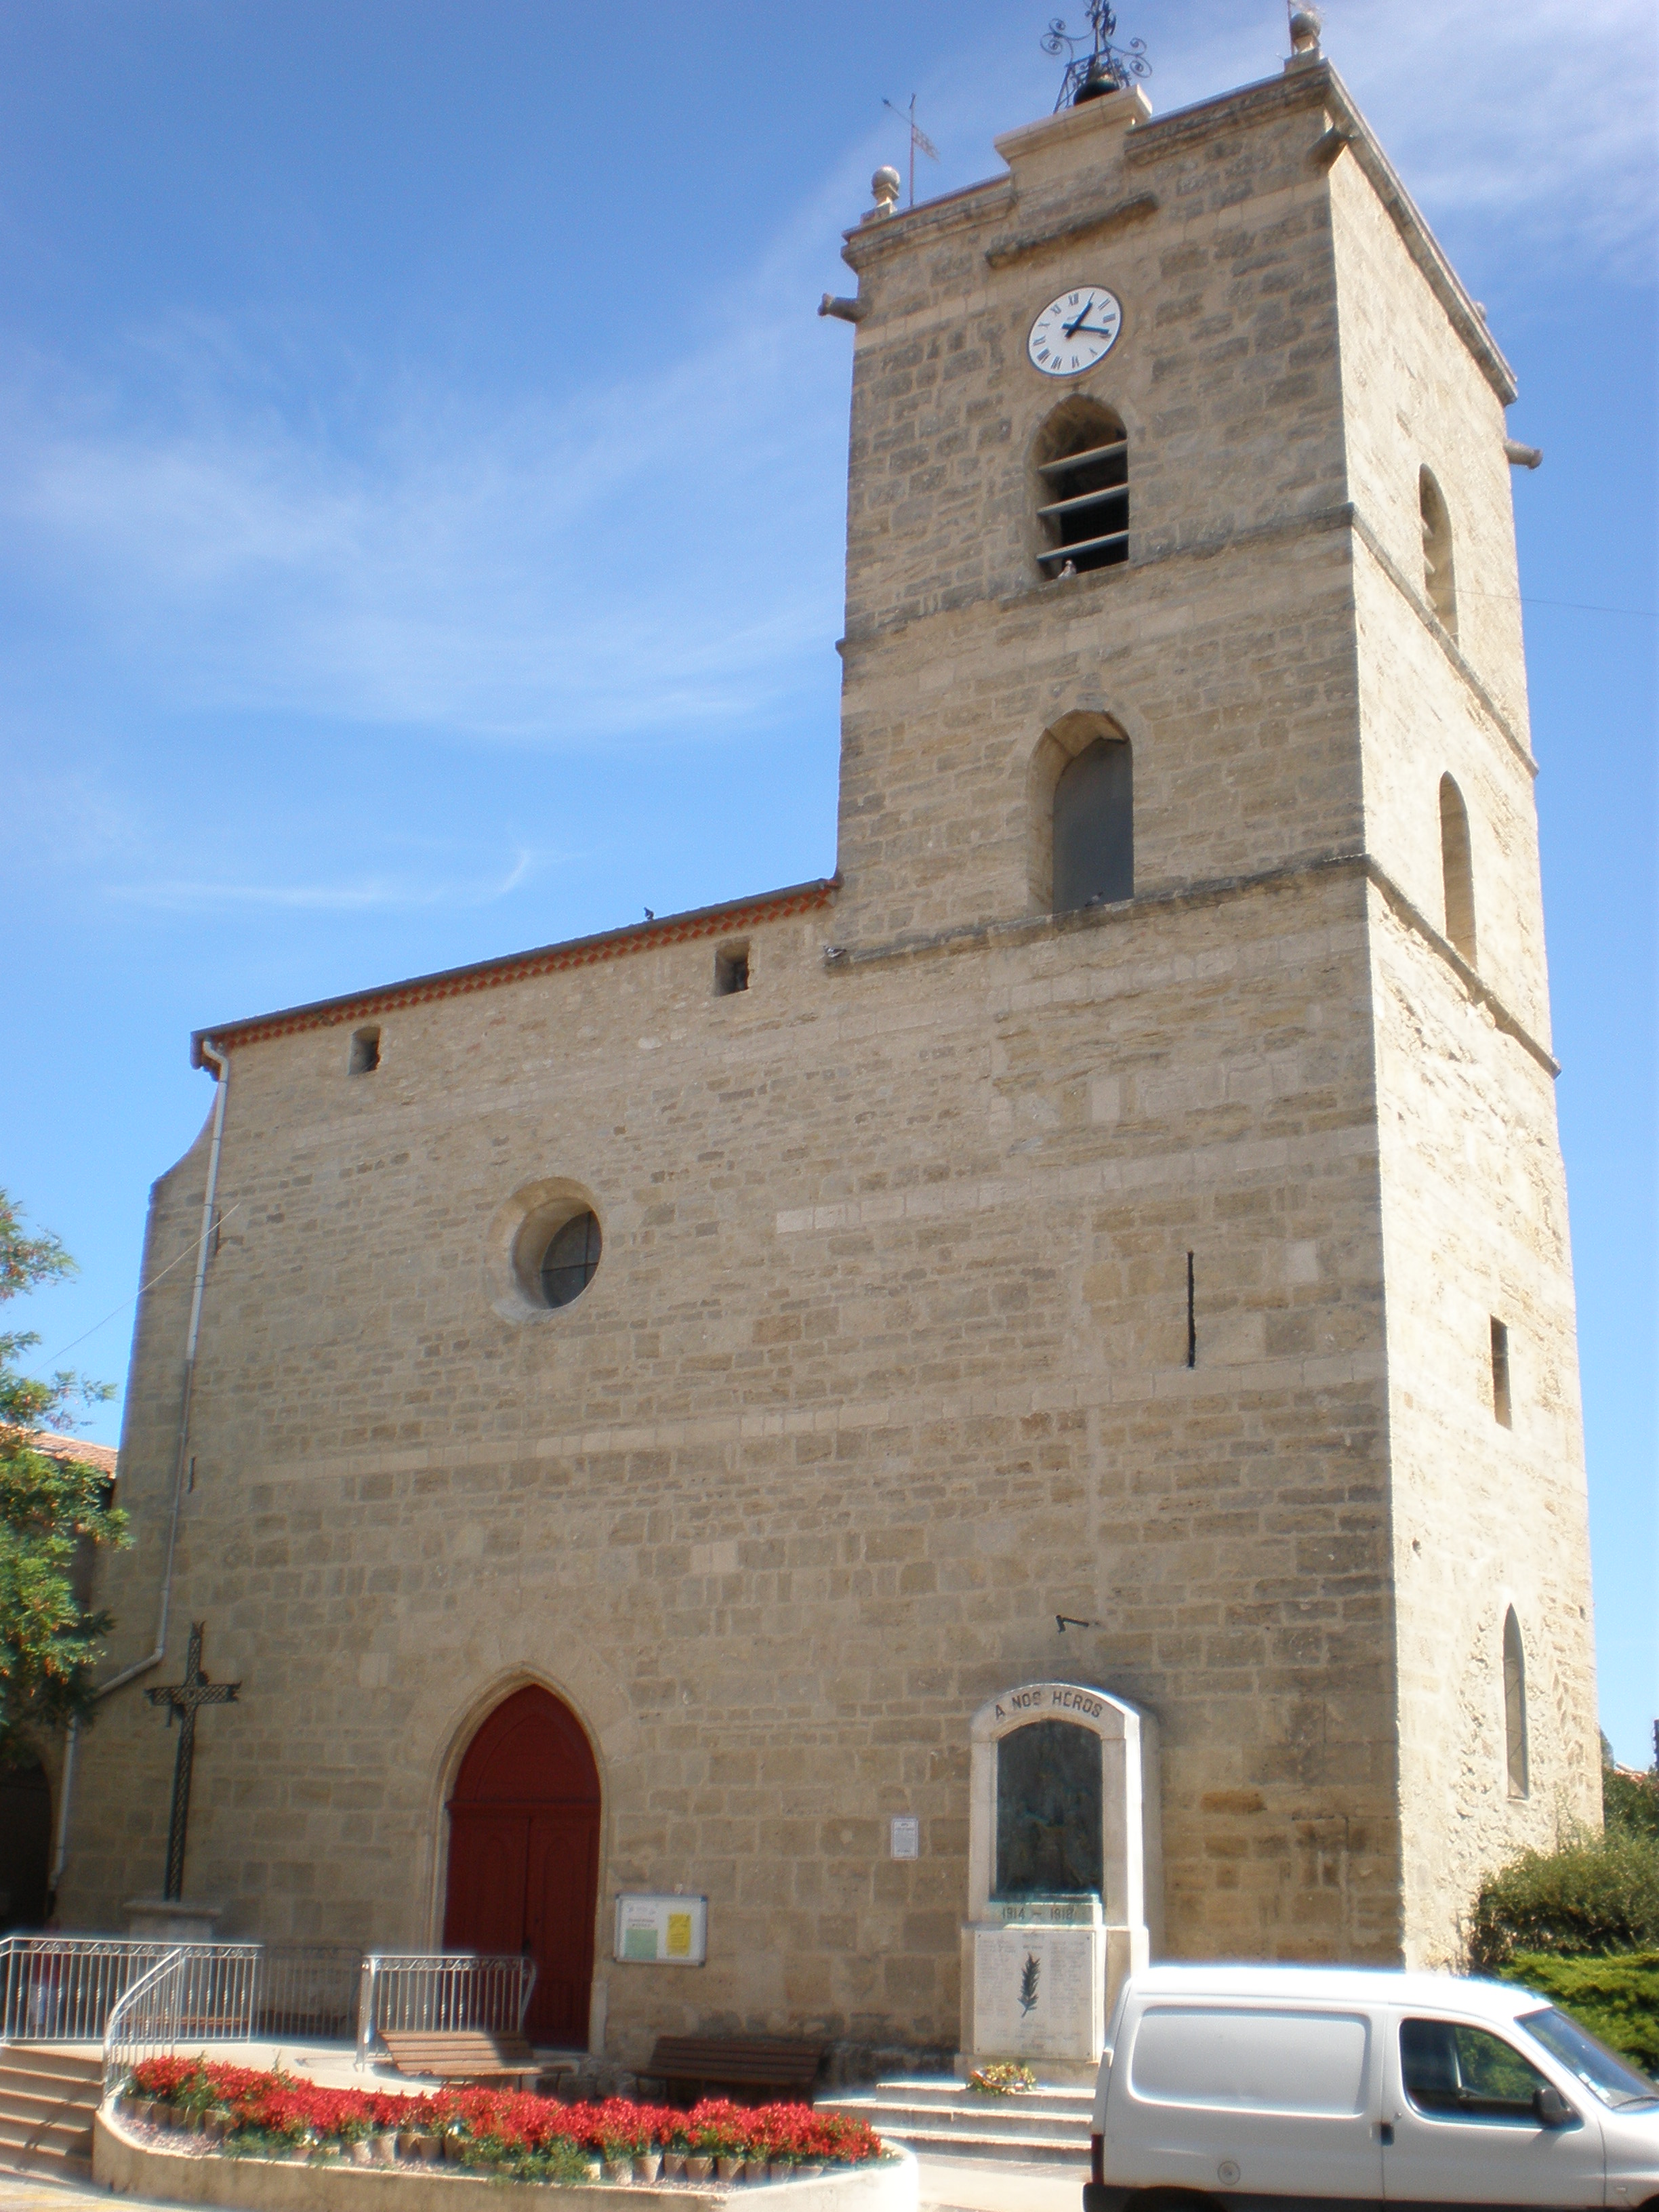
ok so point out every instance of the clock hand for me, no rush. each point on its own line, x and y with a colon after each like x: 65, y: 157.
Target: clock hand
x: 1082, y: 319
x: 1088, y: 330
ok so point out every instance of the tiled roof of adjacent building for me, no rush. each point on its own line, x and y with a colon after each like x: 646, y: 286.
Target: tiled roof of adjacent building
x: 102, y: 1456
x: 515, y: 967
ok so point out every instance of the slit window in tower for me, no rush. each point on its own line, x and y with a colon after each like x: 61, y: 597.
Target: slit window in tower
x: 1500, y: 1373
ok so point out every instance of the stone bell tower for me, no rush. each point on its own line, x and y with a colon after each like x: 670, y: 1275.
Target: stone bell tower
x: 1186, y: 723
x: 1036, y: 1376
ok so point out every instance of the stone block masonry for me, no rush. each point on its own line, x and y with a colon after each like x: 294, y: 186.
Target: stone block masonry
x: 887, y: 1364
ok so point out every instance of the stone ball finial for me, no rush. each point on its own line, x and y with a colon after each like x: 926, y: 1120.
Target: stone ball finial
x: 1306, y: 24
x: 885, y: 185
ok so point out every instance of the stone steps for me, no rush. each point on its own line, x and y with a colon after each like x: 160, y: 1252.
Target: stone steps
x: 48, y: 2095
x: 1048, y: 2125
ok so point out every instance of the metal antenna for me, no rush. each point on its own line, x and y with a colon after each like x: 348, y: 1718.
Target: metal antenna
x: 918, y: 138
x: 1104, y: 67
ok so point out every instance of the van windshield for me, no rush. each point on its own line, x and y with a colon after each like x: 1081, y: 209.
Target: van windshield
x: 1613, y: 2079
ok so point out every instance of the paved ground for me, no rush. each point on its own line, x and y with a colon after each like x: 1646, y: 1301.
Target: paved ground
x: 948, y: 2185
x: 961, y: 2185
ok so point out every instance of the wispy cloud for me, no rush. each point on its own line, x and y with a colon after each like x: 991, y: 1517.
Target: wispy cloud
x: 368, y: 893
x: 657, y: 557
x: 248, y: 526
x: 1535, y: 121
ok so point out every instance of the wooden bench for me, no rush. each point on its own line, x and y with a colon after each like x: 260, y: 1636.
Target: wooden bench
x: 465, y: 2054
x: 761, y: 2068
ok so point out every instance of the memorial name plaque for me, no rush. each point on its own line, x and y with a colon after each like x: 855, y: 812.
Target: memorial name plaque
x: 1039, y: 1992
x: 904, y: 1837
x: 1063, y: 1877
x: 662, y: 1932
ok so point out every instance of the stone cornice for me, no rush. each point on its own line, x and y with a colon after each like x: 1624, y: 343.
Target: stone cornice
x: 1343, y: 514
x: 519, y: 967
x: 1420, y: 241
x: 1037, y: 589
x: 1089, y: 223
x: 1309, y: 84
x: 1034, y: 929
x: 934, y: 219
x: 1442, y: 637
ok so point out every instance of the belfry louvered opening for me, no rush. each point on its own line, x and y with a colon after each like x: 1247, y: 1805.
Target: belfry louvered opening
x: 1082, y: 500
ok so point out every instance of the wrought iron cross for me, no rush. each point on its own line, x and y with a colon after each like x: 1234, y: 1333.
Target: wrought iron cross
x: 186, y: 1699
x: 1105, y: 67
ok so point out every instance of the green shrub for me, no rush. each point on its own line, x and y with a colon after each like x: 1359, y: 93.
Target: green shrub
x: 1598, y: 1894
x: 1630, y: 1802
x: 1617, y: 1999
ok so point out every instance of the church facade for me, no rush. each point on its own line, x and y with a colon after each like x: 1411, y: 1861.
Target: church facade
x: 649, y: 1395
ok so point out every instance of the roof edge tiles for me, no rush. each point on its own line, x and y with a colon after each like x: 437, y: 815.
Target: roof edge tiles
x: 519, y: 967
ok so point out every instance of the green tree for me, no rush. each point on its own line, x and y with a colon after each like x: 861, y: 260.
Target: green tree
x: 52, y: 1508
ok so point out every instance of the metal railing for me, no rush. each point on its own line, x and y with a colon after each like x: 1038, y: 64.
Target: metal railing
x: 196, y: 1993
x: 61, y: 1989
x: 136, y: 1995
x: 433, y: 1990
x: 307, y: 1989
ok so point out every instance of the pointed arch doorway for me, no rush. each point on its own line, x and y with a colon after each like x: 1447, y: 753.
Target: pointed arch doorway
x: 524, y: 1855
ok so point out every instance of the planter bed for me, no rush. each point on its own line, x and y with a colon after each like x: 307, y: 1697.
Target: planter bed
x: 194, y: 2132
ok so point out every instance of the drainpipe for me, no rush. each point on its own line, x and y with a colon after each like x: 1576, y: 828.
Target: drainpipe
x: 221, y: 1065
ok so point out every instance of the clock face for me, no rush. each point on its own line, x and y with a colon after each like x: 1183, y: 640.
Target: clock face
x: 1075, y: 330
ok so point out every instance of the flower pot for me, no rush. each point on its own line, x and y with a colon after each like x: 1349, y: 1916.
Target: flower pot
x: 619, y: 2169
x: 728, y: 2168
x: 647, y: 2165
x: 362, y: 2152
x: 699, y: 2165
x: 809, y: 2169
x: 781, y: 2169
x: 673, y: 2165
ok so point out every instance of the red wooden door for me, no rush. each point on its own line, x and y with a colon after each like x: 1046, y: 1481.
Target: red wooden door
x: 524, y: 1855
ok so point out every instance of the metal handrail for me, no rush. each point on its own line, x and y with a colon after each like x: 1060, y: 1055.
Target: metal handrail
x: 441, y: 1990
x: 203, y: 1991
x: 112, y: 2038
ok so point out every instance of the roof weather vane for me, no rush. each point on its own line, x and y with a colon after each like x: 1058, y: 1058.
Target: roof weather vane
x: 919, y: 139
x: 1105, y: 67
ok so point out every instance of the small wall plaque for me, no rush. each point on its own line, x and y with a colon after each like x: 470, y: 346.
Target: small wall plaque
x: 662, y: 1932
x: 906, y: 1837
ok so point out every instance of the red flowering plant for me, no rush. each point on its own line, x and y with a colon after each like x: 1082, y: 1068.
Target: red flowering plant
x: 506, y: 2131
x: 712, y: 2129
x: 620, y: 2129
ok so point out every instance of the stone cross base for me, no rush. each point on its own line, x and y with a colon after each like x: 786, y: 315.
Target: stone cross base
x: 171, y: 1920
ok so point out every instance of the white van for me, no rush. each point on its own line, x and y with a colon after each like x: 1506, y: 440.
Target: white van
x: 1271, y: 2085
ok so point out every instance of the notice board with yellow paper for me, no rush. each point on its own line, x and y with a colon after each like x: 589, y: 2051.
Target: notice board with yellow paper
x: 662, y: 1932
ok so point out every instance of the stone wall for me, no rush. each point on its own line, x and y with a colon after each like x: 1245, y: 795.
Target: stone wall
x: 885, y: 1365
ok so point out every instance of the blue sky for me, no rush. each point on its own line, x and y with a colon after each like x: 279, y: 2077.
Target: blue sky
x: 374, y: 597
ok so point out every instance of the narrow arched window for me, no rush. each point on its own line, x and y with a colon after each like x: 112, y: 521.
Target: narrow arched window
x: 1438, y: 583
x: 1094, y: 827
x: 1515, y: 1706
x: 1082, y: 489
x: 1456, y: 869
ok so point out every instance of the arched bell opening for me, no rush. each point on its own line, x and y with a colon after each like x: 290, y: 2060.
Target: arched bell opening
x: 1081, y: 463
x: 524, y: 1854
